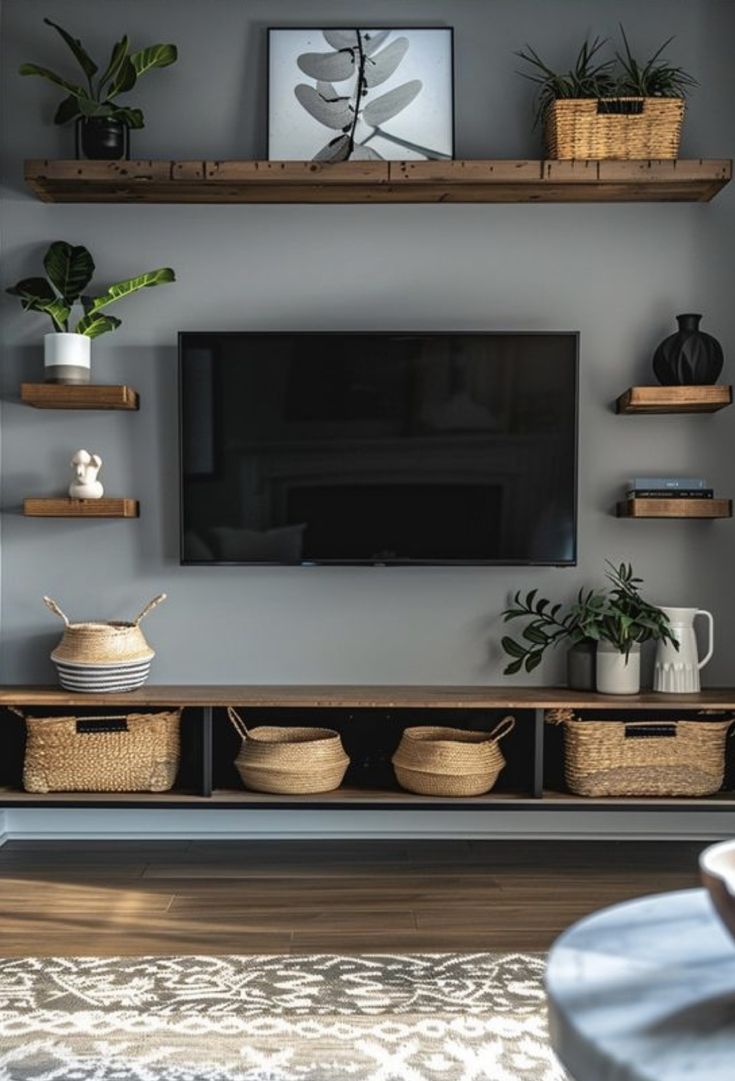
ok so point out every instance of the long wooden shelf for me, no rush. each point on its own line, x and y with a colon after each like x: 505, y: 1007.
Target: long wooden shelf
x: 491, y: 181
x: 350, y: 696
x: 675, y: 508
x: 83, y: 396
x: 81, y: 508
x: 706, y: 399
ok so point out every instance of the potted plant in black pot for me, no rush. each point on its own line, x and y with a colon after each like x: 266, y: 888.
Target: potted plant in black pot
x: 604, y: 629
x: 102, y: 123
x: 69, y: 269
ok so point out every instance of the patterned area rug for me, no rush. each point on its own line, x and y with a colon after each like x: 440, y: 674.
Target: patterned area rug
x: 427, y: 1017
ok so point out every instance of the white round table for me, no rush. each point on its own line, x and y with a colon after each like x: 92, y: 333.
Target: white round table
x: 645, y: 991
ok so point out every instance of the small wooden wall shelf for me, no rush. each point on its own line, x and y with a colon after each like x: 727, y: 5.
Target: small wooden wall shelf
x: 86, y: 396
x: 494, y: 181
x: 675, y: 508
x: 674, y: 399
x: 81, y: 508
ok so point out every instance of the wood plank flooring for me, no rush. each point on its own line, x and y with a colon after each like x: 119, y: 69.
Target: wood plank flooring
x: 161, y: 897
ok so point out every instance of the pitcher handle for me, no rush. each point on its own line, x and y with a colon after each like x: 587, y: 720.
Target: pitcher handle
x: 710, y: 620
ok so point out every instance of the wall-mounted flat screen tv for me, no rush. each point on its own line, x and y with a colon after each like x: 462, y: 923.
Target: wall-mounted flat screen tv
x: 378, y: 448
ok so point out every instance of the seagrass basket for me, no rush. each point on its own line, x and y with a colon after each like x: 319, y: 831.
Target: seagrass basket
x: 642, y: 758
x: 136, y: 752
x: 103, y: 656
x: 619, y: 128
x: 289, y: 761
x: 436, y: 761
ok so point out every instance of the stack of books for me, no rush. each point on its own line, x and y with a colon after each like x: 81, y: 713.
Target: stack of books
x: 669, y: 488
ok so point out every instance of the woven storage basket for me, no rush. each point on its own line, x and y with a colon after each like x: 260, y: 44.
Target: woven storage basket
x: 610, y: 128
x: 289, y: 761
x: 134, y: 753
x: 436, y: 761
x: 642, y: 758
x: 112, y: 656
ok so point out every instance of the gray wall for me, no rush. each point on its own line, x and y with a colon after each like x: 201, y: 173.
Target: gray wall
x: 616, y: 273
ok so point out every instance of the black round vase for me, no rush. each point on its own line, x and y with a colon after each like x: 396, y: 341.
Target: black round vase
x: 688, y: 358
x: 100, y: 138
x: 581, y: 659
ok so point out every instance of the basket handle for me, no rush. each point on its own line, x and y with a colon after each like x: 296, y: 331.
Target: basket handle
x: 559, y: 716
x: 53, y: 607
x: 504, y: 728
x: 149, y: 608
x: 237, y: 722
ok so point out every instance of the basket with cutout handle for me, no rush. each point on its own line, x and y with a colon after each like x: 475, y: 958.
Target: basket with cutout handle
x: 103, y: 656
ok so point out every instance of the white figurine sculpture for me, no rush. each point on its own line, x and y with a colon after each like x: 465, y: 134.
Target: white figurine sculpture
x: 85, y: 485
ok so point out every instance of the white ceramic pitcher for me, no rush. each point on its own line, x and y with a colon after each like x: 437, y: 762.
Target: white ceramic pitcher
x: 677, y: 671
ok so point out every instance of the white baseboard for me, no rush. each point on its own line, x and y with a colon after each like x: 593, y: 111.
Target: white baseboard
x: 131, y: 824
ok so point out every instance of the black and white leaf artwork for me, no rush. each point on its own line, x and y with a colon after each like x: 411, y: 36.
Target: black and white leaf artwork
x: 343, y: 97
x: 380, y: 67
x: 390, y: 104
x: 332, y: 112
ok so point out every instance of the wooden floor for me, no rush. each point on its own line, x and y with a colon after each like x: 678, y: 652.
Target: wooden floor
x: 205, y: 897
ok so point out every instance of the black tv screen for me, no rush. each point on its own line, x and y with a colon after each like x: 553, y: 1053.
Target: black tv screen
x: 378, y: 448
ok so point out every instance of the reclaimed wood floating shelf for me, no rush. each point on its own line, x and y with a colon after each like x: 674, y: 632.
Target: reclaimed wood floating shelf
x: 86, y: 396
x: 81, y: 508
x: 497, y: 181
x: 675, y: 508
x: 674, y: 399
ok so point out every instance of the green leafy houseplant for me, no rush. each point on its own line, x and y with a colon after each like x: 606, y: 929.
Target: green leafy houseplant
x: 94, y: 97
x: 69, y: 270
x: 619, y: 615
x: 616, y: 77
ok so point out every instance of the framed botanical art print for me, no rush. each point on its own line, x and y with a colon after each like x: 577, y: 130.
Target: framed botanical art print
x: 360, y: 95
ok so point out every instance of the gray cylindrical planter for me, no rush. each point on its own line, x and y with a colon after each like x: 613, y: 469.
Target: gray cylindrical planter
x: 67, y: 358
x: 581, y: 660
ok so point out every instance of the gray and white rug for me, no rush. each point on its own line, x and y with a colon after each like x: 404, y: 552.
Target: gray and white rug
x: 426, y: 1017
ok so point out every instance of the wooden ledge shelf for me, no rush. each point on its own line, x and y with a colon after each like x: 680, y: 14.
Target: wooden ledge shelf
x: 84, y: 396
x: 707, y: 399
x: 81, y: 508
x: 492, y: 181
x: 675, y: 508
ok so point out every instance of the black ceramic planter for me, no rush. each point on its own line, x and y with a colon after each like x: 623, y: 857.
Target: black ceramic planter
x: 688, y: 358
x: 100, y: 138
x: 581, y: 660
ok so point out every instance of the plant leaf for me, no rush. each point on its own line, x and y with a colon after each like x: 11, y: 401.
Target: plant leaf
x: 513, y: 667
x: 512, y: 647
x: 337, y: 149
x: 68, y: 110
x: 330, y: 92
x: 94, y: 325
x: 388, y: 105
x: 155, y: 56
x: 132, y: 117
x: 124, y: 80
x: 365, y: 153
x: 84, y: 60
x: 333, y: 114
x: 533, y: 660
x: 52, y: 77
x: 380, y: 67
x: 371, y: 43
x: 32, y: 290
x: 69, y: 268
x: 329, y: 67
x: 340, y: 39
x: 126, y: 288
x: 117, y: 59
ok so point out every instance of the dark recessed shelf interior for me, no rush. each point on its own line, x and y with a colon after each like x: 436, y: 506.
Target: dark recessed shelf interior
x: 83, y: 396
x: 468, y: 181
x: 700, y: 399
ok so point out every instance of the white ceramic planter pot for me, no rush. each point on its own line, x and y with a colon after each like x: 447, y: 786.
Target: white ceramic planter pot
x: 67, y: 358
x: 614, y: 675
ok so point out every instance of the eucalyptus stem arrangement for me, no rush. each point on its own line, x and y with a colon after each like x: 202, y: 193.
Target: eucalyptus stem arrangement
x: 618, y: 615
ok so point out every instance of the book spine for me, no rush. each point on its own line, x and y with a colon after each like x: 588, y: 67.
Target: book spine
x: 667, y: 483
x: 671, y: 493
